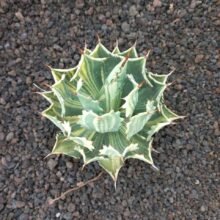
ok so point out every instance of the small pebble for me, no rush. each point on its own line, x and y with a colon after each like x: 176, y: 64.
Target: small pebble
x: 9, y: 136
x: 125, y: 27
x: 19, y: 16
x: 199, y: 58
x: 71, y: 207
x: 51, y: 164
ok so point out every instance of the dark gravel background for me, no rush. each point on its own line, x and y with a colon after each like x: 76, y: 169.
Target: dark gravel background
x: 181, y: 34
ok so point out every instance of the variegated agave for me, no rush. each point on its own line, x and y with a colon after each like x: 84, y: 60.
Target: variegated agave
x: 108, y: 108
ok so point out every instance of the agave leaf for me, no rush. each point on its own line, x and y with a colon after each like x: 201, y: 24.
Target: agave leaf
x: 154, y: 92
x: 143, y: 151
x: 92, y: 155
x: 131, y: 99
x: 87, y: 119
x: 86, y: 101
x: 52, y: 99
x: 109, y: 151
x: 129, y: 149
x: 109, y: 65
x: 65, y: 146
x: 156, y: 118
x: 159, y: 78
x: 116, y: 50
x: 138, y: 121
x: 131, y: 53
x: 87, y: 51
x: 82, y: 141
x: 155, y: 128
x: 66, y: 94
x: 52, y: 116
x: 130, y: 102
x: 89, y: 71
x: 88, y: 156
x: 118, y: 140
x: 112, y: 166
x: 109, y: 122
x: 135, y: 68
x: 89, y: 104
x: 100, y: 51
x: 113, y: 86
x: 162, y: 116
x: 113, y: 161
x: 66, y: 125
x: 111, y: 60
x: 158, y: 121
x: 58, y: 73
x: 169, y: 114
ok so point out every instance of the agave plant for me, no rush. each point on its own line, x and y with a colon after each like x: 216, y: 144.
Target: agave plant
x: 108, y: 108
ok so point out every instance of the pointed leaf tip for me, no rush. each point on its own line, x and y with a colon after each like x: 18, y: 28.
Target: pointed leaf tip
x: 148, y: 54
x: 172, y: 71
x: 155, y: 168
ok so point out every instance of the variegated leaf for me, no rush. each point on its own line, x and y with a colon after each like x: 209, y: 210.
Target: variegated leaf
x: 109, y: 122
x: 65, y: 146
x: 131, y: 99
x: 138, y: 121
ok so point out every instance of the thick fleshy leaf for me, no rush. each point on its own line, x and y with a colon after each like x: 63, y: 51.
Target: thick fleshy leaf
x: 65, y: 146
x: 109, y: 65
x: 86, y: 101
x: 118, y: 140
x: 109, y: 151
x: 169, y: 114
x: 92, y: 155
x: 111, y: 60
x: 86, y: 120
x: 112, y: 162
x: 113, y: 86
x: 82, y: 141
x: 148, y: 92
x: 88, y: 156
x: 52, y: 116
x: 100, y: 51
x: 58, y: 73
x: 129, y: 149
x: 164, y: 115
x: 109, y: 122
x: 116, y: 50
x: 130, y: 102
x: 143, y: 150
x: 158, y: 121
x: 90, y: 71
x: 53, y: 100
x: 87, y: 51
x: 89, y: 104
x: 138, y: 121
x: 66, y: 94
x: 155, y: 128
x: 112, y: 166
x: 160, y: 78
x: 135, y: 67
x: 131, y: 53
x: 131, y: 99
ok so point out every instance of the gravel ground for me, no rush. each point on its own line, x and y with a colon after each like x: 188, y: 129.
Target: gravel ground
x: 181, y: 34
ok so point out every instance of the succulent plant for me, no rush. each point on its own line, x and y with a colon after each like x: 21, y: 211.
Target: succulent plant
x: 108, y: 108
